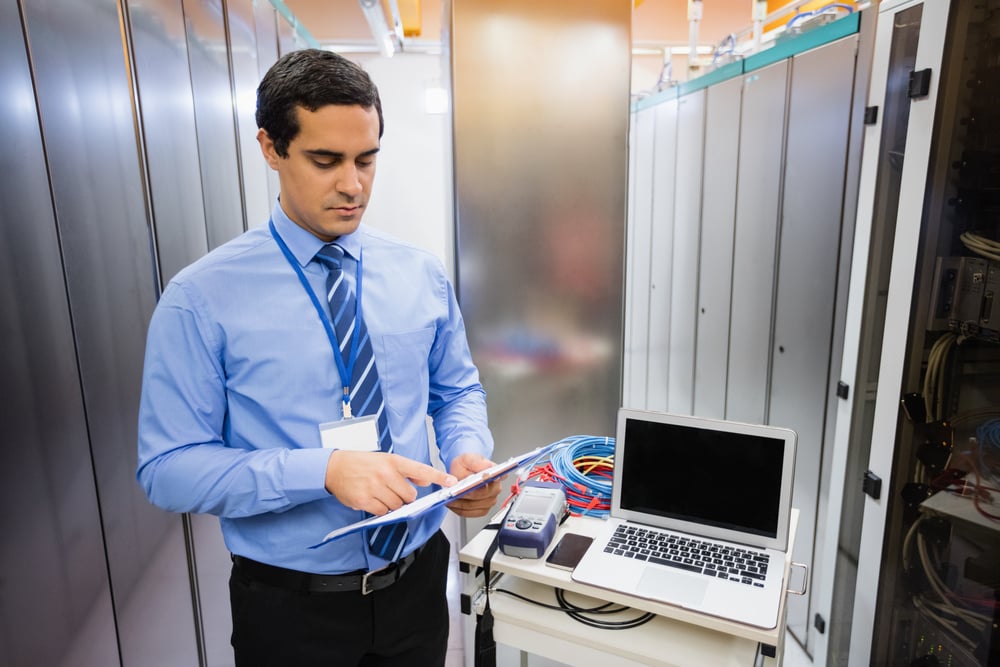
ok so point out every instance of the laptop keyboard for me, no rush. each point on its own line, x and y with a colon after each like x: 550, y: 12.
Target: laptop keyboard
x: 712, y: 559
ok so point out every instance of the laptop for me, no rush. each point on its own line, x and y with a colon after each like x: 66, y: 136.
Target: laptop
x: 699, y: 516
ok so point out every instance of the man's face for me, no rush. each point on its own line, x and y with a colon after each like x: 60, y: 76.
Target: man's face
x: 326, y: 179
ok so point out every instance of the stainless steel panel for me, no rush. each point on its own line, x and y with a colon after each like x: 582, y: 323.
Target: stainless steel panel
x: 212, y: 560
x: 819, y: 115
x: 83, y: 90
x: 540, y: 128
x: 660, y: 246
x: 715, y: 266
x: 266, y: 24
x: 687, y: 238
x: 757, y: 221
x: 213, y: 105
x: 171, y: 148
x: 629, y: 217
x: 638, y: 263
x: 55, y: 605
x: 170, y: 139
x: 246, y: 75
x: 633, y: 172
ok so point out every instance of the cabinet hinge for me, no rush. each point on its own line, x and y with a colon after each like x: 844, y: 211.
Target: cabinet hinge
x: 872, y: 485
x: 920, y: 83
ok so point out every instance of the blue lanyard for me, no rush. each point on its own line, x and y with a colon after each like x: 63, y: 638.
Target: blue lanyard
x: 346, y: 371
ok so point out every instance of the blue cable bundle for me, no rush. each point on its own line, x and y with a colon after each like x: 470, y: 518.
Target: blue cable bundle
x: 988, y: 435
x: 584, y: 466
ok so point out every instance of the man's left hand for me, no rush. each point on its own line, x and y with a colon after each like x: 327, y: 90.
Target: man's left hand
x: 477, y: 502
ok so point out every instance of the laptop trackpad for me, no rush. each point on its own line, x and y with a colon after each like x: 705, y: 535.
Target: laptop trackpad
x: 666, y: 585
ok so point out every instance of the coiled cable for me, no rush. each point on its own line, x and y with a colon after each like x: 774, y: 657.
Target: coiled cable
x: 584, y: 466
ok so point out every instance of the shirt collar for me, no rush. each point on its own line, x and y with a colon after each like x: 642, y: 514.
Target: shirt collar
x: 303, y: 243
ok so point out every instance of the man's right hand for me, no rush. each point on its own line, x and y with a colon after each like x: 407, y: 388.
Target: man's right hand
x: 377, y: 482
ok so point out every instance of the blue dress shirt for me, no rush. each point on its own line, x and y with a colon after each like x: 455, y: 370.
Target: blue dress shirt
x: 239, y: 373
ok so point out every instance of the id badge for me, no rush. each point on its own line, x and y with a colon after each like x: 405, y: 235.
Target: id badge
x: 357, y: 434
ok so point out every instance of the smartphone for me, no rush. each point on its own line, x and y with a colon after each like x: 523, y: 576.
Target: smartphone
x: 568, y: 551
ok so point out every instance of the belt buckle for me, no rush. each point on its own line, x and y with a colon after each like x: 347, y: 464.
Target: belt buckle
x: 365, y: 589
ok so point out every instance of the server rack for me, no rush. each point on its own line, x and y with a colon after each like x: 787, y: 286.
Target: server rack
x: 925, y: 363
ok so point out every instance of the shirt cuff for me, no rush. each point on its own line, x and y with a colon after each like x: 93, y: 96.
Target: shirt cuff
x: 305, y: 474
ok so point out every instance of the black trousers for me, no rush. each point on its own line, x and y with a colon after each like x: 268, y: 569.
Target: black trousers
x: 404, y: 625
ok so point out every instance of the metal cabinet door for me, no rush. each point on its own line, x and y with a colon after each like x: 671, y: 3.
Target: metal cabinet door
x: 687, y: 237
x: 638, y: 258
x: 662, y: 255
x: 758, y: 195
x: 818, y: 131
x: 715, y: 261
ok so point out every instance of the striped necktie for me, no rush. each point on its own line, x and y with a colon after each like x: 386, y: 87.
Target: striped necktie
x: 366, y: 392
x: 387, y: 541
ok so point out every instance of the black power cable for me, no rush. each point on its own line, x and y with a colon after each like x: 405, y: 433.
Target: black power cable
x: 578, y: 613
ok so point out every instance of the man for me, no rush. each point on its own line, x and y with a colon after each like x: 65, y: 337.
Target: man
x: 248, y: 413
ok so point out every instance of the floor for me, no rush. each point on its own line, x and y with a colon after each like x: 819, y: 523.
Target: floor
x: 795, y: 656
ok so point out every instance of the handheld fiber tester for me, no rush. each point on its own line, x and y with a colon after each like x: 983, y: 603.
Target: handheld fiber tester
x: 531, y: 523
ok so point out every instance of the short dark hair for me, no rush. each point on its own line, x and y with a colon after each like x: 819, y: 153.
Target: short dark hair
x: 310, y: 78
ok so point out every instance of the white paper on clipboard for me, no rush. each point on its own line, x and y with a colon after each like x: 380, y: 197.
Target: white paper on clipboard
x: 439, y: 497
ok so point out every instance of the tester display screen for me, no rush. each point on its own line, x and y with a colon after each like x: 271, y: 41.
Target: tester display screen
x: 533, y: 504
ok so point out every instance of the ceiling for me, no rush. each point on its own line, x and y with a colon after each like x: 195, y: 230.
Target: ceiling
x: 655, y: 23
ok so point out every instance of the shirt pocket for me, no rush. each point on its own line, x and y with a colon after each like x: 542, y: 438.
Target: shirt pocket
x: 403, y: 371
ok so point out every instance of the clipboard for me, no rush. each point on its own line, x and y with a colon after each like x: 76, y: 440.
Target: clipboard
x: 440, y: 497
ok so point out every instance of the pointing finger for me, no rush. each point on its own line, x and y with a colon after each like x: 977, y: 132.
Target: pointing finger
x: 423, y: 475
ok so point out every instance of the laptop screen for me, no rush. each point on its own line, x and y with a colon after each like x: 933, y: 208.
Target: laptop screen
x: 705, y: 476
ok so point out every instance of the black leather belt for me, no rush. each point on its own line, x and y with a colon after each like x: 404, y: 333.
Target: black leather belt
x: 366, y: 582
